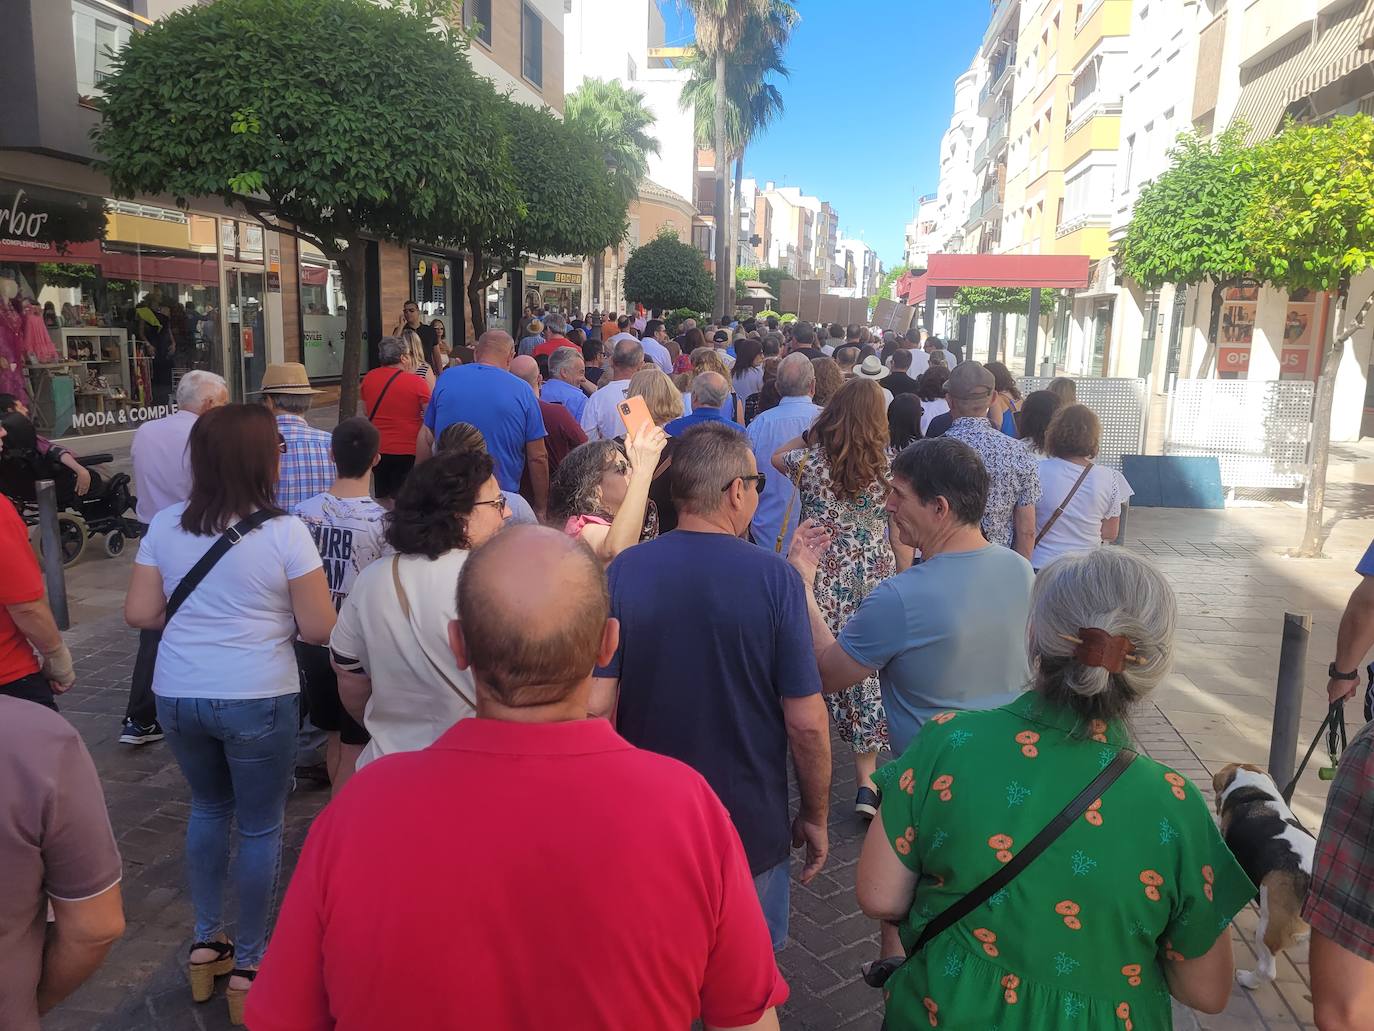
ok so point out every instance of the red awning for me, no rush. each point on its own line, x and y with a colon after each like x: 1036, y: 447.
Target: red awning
x: 911, y: 289
x: 1052, y: 271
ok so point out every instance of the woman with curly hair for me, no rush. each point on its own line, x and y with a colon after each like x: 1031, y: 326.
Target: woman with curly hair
x: 397, y: 675
x: 600, y: 493
x: 841, y: 467
x: 829, y: 379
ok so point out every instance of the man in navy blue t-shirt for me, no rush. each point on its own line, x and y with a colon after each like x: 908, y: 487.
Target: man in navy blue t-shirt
x: 486, y: 395
x: 715, y: 665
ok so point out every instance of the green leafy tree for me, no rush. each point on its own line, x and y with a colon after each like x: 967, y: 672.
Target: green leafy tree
x: 746, y: 274
x: 889, y: 280
x: 752, y: 100
x: 1311, y: 227
x: 568, y: 206
x: 666, y: 273
x: 772, y: 278
x: 998, y: 300
x: 1186, y: 225
x: 390, y: 135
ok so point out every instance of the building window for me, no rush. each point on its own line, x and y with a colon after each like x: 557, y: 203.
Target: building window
x: 478, y: 13
x: 531, y: 45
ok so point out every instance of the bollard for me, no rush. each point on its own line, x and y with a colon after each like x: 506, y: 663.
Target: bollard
x: 50, y: 540
x: 1283, y: 742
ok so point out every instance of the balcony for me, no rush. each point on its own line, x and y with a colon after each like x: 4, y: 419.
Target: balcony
x: 1000, y: 73
x: 100, y: 29
x: 1093, y: 107
x: 993, y: 146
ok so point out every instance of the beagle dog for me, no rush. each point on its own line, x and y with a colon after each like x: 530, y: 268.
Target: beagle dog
x: 1275, y: 850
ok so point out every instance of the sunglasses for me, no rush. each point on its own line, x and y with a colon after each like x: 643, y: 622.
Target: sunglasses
x: 759, y: 480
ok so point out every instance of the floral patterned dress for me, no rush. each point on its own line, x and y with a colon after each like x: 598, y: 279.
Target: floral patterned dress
x: 858, y: 559
x: 1081, y: 937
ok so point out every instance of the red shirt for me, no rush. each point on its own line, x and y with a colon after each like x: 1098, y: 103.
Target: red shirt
x: 553, y: 344
x: 399, y: 418
x: 22, y: 582
x: 515, y: 875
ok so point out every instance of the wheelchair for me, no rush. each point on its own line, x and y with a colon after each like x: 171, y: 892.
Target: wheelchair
x: 101, y: 511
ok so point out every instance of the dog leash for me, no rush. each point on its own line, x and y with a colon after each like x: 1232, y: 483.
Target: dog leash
x: 1334, y: 726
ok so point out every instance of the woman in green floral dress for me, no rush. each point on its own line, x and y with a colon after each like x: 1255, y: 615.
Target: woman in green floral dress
x: 1129, y: 905
x: 841, y: 468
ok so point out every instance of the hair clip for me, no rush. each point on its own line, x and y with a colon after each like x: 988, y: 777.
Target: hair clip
x: 1096, y: 647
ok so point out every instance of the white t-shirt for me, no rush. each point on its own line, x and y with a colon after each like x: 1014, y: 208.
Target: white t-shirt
x: 232, y: 637
x: 600, y: 420
x: 349, y: 533
x: 930, y: 410
x: 1080, y: 527
x: 407, y: 657
x: 920, y: 362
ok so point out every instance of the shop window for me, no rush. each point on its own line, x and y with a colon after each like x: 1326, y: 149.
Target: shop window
x: 531, y: 45
x: 1147, y: 334
x: 1173, y: 356
x: 324, y: 314
x: 478, y: 13
x: 434, y: 290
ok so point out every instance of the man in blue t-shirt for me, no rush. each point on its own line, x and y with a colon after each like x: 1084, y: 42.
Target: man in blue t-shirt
x: 715, y: 665
x: 486, y: 395
x: 1354, y: 640
x: 949, y: 633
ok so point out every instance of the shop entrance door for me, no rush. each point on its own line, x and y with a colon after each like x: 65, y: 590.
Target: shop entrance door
x: 247, y: 330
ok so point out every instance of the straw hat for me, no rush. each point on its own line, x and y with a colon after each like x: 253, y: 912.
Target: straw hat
x: 286, y: 378
x: 872, y: 368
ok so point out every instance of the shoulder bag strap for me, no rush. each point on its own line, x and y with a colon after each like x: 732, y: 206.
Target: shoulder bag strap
x: 405, y: 611
x: 217, y: 551
x: 1027, y: 855
x: 1054, y: 518
x: 792, y: 500
x: 385, y: 388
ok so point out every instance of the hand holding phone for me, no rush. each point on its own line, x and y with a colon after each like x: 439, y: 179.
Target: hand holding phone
x: 634, y: 413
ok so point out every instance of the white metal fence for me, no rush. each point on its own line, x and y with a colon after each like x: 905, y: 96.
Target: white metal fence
x: 1121, y: 406
x: 1258, y: 429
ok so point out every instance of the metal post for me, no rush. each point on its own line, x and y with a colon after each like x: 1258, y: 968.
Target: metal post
x: 1283, y: 742
x: 50, y: 540
x: 1121, y: 528
x: 930, y: 310
x: 1032, y: 329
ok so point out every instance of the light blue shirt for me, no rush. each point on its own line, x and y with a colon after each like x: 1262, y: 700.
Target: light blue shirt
x: 769, y: 431
x: 557, y: 392
x: 949, y: 633
x: 658, y: 354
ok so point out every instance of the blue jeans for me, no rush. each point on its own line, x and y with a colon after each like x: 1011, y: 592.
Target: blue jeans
x: 775, y: 896
x: 238, y: 756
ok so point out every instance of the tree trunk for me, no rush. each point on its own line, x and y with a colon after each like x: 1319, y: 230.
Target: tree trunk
x: 1213, y: 330
x: 477, y: 291
x: 723, y: 273
x: 352, y: 263
x: 1322, y: 406
x: 737, y: 208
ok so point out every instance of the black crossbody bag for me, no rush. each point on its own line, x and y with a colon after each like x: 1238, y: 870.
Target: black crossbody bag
x: 207, y: 562
x: 1004, y: 876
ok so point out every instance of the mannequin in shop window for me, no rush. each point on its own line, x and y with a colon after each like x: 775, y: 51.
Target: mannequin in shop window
x: 12, y: 379
x: 36, y: 340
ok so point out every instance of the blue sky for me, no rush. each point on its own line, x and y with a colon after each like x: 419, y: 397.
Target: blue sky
x: 871, y: 90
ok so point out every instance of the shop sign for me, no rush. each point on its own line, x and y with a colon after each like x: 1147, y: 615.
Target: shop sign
x: 274, y: 271
x: 1233, y: 359
x: 549, y: 276
x: 121, y: 418
x: 44, y: 221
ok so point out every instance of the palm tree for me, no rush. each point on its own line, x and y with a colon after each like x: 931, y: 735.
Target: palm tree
x: 752, y: 102
x: 614, y: 116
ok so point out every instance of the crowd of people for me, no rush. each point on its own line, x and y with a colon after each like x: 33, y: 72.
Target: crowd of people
x: 557, y: 610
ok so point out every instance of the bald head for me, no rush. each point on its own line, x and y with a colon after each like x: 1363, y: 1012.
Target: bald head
x: 709, y: 390
x: 532, y: 609
x: 494, y: 347
x: 796, y: 376
x: 527, y: 369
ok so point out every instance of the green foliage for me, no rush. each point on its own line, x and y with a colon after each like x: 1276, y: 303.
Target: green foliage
x: 675, y: 319
x: 746, y: 274
x: 1186, y: 225
x: 1005, y: 300
x: 767, y: 313
x: 772, y: 278
x: 54, y: 273
x: 1312, y: 223
x: 889, y: 280
x: 667, y: 273
x: 614, y: 117
x: 787, y: 319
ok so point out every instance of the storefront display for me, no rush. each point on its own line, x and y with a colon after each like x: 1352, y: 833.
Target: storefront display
x: 434, y: 289
x: 324, y: 315
x: 1301, y: 354
x: 557, y: 289
x: 1237, y: 331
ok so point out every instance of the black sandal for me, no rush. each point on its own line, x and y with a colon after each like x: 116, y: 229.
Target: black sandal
x: 238, y: 997
x: 203, y: 974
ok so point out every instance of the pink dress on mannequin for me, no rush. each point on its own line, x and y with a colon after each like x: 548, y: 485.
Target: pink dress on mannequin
x: 12, y: 379
x: 35, y: 339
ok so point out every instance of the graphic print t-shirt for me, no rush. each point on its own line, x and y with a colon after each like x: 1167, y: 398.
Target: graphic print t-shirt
x: 349, y: 532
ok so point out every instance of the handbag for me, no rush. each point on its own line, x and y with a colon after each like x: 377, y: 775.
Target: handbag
x: 405, y: 611
x: 796, y: 490
x: 1007, y: 873
x: 1054, y: 518
x: 385, y: 387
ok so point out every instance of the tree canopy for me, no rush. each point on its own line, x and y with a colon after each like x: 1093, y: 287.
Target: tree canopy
x: 666, y: 273
x: 613, y: 116
x: 1186, y: 225
x: 1004, y: 300
x: 392, y: 134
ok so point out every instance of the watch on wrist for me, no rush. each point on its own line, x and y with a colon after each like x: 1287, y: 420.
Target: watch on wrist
x: 1335, y: 674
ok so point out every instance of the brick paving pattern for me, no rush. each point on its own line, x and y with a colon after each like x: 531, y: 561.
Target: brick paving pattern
x: 1213, y: 710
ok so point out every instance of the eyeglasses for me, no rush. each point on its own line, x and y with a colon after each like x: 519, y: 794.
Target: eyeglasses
x: 281, y: 443
x: 759, y: 480
x: 498, y: 502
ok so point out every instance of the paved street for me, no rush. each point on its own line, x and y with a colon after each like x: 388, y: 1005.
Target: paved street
x: 1233, y: 583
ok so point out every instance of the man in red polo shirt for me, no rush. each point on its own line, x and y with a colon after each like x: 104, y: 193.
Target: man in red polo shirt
x: 554, y: 328
x: 530, y: 869
x: 26, y: 623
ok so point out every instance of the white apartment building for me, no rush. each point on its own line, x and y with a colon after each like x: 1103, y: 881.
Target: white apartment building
x: 858, y: 263
x: 965, y: 151
x: 922, y: 231
x: 790, y: 243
